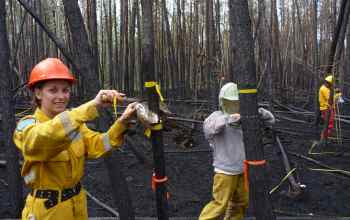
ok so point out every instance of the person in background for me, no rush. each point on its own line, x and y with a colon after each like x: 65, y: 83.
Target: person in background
x: 55, y: 142
x: 326, y: 106
x: 223, y: 131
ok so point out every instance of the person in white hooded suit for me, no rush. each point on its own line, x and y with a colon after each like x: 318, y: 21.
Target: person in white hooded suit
x: 223, y: 131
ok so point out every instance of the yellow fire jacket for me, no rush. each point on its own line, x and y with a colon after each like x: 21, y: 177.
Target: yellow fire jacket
x: 54, y: 150
x: 323, y: 97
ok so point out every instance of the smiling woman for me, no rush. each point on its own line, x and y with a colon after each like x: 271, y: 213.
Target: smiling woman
x: 53, y: 97
x: 50, y: 82
x: 55, y: 142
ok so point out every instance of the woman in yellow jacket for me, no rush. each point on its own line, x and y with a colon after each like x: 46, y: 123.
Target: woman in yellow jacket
x: 55, y: 142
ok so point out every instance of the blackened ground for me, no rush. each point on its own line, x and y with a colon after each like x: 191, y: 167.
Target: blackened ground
x: 190, y: 175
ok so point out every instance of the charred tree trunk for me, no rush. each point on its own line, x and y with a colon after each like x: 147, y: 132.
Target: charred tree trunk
x: 132, y: 29
x: 171, y: 51
x: 139, y: 52
x: 315, y: 66
x: 341, y: 20
x: 182, y: 52
x: 115, y: 75
x: 125, y: 34
x: 51, y: 35
x: 210, y: 42
x: 86, y: 62
x: 110, y: 49
x: 347, y: 64
x: 93, y: 37
x: 244, y: 67
x: 343, y: 29
x: 119, y: 184
x: 260, y: 36
x: 195, y: 50
x: 87, y: 65
x: 156, y: 138
x: 275, y: 50
x: 8, y: 119
x: 121, y: 46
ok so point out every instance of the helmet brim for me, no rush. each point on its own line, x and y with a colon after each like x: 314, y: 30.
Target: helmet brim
x: 32, y: 84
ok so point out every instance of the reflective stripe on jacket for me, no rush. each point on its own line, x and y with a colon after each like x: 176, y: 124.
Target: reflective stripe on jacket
x: 54, y: 150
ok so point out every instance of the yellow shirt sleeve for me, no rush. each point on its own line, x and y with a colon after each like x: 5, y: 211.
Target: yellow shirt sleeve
x: 42, y: 141
x: 98, y: 144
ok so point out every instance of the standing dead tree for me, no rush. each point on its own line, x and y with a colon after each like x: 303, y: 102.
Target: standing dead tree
x: 156, y: 137
x: 87, y: 64
x: 8, y: 118
x: 83, y: 52
x: 244, y: 67
x: 51, y: 35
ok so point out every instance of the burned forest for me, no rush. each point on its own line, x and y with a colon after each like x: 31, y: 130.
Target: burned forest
x: 123, y: 116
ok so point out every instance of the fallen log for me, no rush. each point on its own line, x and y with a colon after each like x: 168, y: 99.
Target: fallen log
x: 103, y: 205
x: 4, y: 182
x: 342, y: 172
x: 185, y: 120
x: 292, y: 119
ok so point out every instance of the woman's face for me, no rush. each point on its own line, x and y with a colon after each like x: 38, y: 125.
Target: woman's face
x: 54, y: 97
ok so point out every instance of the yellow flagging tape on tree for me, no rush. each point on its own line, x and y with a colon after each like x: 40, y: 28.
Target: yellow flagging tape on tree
x: 115, y: 107
x: 156, y: 127
x: 156, y: 85
x: 284, y: 179
x: 248, y: 91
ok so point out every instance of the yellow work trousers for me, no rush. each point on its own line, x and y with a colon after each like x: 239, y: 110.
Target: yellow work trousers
x: 230, y: 199
x: 74, y: 208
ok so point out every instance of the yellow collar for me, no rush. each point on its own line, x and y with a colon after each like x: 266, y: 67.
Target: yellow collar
x: 40, y: 115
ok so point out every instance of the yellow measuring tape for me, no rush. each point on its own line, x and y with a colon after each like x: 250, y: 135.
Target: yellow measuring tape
x: 115, y: 107
x: 248, y: 91
x: 151, y: 84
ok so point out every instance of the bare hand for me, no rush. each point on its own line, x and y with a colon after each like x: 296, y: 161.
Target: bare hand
x: 128, y: 112
x: 105, y: 98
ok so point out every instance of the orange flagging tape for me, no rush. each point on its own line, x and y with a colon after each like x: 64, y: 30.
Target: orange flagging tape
x: 246, y: 168
x: 155, y: 181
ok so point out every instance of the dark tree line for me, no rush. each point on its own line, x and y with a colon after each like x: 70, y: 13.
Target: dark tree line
x: 192, y: 49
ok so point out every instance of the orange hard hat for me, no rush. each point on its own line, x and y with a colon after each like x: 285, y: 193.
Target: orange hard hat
x: 49, y: 69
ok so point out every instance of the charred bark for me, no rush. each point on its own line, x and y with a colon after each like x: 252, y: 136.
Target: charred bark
x: 8, y: 113
x: 244, y: 67
x: 148, y: 69
x: 86, y: 63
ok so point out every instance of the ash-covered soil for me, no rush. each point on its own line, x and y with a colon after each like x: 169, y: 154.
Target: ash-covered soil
x: 190, y: 172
